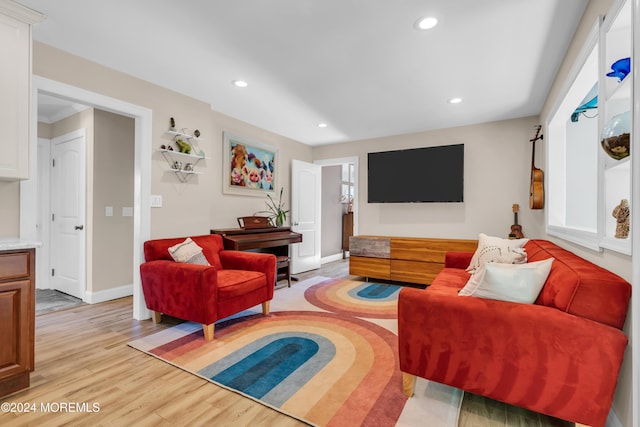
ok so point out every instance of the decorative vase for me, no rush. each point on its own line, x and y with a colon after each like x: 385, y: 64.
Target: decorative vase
x: 616, y: 135
x: 620, y: 69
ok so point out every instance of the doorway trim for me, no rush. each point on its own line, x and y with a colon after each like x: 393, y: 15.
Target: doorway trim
x: 142, y: 170
x: 340, y: 161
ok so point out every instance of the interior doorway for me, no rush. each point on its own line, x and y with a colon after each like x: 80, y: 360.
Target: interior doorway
x: 142, y: 171
x: 340, y: 196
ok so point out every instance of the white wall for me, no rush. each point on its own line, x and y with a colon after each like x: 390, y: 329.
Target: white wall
x: 188, y: 208
x: 497, y: 175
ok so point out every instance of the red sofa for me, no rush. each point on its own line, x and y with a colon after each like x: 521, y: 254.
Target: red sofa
x: 235, y: 281
x: 559, y: 356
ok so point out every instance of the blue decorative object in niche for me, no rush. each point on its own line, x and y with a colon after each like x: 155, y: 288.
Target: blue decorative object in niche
x: 590, y: 102
x: 620, y: 68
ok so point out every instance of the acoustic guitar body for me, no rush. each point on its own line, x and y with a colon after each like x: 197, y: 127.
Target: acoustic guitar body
x: 536, y: 193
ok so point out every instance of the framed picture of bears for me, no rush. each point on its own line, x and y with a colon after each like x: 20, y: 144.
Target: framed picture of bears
x: 249, y: 167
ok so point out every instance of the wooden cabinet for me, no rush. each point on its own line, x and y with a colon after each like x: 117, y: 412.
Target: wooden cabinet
x: 15, y: 87
x: 17, y: 319
x: 402, y: 259
x: 379, y: 268
x: 347, y: 230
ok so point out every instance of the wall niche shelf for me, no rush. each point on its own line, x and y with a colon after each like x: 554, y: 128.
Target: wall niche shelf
x: 616, y: 96
x: 182, y: 164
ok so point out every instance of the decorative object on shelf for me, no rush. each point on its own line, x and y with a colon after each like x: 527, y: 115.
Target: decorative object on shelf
x: 183, y: 146
x: 589, y: 102
x: 616, y: 135
x: 172, y: 125
x: 347, y: 200
x: 249, y: 166
x: 620, y: 69
x: 177, y: 165
x: 165, y: 147
x: 621, y: 214
x: 276, y: 211
x: 196, y: 133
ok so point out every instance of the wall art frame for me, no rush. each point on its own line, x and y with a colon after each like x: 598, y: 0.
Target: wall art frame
x: 250, y: 167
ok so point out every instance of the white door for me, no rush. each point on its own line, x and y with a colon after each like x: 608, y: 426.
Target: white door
x: 306, y: 184
x: 68, y: 184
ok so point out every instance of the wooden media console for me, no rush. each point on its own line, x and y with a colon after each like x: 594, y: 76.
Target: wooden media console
x: 402, y: 259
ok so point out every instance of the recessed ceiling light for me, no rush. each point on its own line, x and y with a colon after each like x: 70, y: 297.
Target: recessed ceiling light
x: 455, y: 100
x: 322, y: 125
x: 426, y: 23
x: 240, y: 83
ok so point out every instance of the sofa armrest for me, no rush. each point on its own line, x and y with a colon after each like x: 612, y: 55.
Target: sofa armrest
x: 186, y: 291
x: 455, y: 259
x: 524, y: 354
x: 252, y: 261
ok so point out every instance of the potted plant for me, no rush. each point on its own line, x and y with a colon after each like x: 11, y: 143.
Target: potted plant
x: 277, y: 212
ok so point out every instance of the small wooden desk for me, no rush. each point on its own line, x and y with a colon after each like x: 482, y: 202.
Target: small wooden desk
x: 274, y: 240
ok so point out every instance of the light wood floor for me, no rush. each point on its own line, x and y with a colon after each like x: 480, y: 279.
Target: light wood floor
x: 82, y: 357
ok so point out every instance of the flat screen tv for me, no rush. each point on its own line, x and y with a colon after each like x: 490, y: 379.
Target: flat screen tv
x: 429, y: 174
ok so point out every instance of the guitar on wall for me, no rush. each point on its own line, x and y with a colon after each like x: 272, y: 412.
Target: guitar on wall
x: 536, y: 191
x: 516, y: 229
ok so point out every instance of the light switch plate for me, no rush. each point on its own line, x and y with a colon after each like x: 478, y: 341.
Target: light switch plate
x: 108, y: 211
x: 156, y: 201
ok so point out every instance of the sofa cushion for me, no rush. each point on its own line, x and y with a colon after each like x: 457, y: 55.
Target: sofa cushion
x: 509, y: 282
x: 188, y: 252
x: 580, y: 287
x: 497, y: 249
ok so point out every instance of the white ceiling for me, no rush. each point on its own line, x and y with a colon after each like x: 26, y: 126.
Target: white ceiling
x: 357, y: 65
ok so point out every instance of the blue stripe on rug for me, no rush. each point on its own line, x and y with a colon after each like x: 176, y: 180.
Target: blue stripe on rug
x: 274, y: 367
x: 375, y: 291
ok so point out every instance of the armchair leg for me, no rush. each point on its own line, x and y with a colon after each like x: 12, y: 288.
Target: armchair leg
x: 265, y: 307
x: 408, y: 384
x: 156, y: 316
x: 208, y: 331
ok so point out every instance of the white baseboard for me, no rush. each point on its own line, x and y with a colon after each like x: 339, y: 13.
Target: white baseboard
x: 108, y: 294
x: 613, y: 420
x: 331, y: 258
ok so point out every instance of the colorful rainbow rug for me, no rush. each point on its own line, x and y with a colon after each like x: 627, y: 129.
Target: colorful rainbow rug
x: 327, y: 355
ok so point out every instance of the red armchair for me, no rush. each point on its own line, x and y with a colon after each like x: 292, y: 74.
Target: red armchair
x: 234, y: 281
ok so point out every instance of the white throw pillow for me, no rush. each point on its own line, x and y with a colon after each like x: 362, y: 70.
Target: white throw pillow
x: 497, y: 249
x: 188, y: 252
x: 511, y: 282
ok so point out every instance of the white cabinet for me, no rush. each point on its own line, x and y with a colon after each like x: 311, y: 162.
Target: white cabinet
x: 15, y: 87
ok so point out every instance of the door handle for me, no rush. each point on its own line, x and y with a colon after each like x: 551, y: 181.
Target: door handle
x: 295, y: 223
x: 79, y: 227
